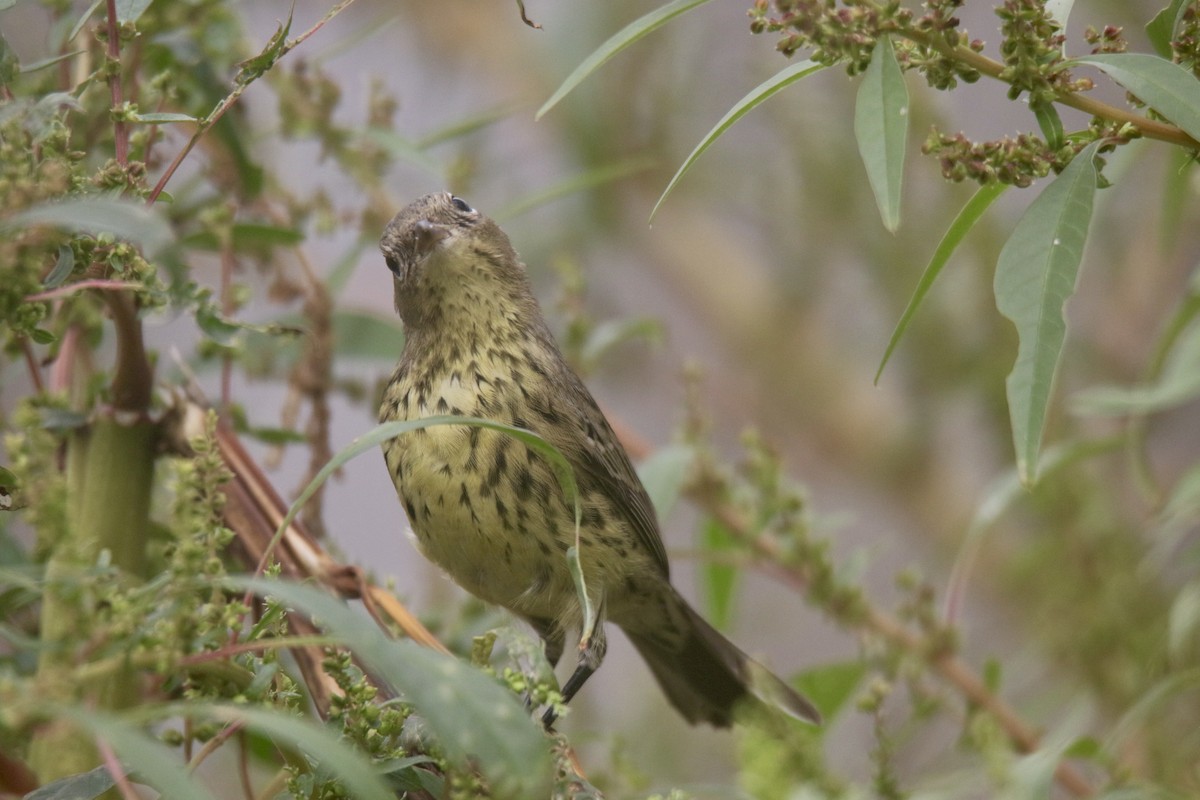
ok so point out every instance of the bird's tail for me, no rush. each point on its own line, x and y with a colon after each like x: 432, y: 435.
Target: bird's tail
x: 708, y: 676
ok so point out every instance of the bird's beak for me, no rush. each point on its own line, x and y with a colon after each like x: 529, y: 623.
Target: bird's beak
x: 428, y: 237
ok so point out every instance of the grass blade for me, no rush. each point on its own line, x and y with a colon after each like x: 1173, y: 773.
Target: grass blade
x: 959, y: 228
x: 756, y: 96
x: 615, y: 44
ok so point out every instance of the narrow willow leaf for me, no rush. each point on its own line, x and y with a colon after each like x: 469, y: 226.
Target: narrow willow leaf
x: 615, y: 44
x: 742, y: 107
x: 1161, y: 29
x: 720, y: 577
x: 881, y: 127
x: 155, y: 763
x: 130, y: 10
x: 1166, y: 87
x: 158, y: 117
x: 49, y: 62
x: 85, y: 786
x: 959, y: 228
x: 474, y: 717
x: 62, y: 267
x: 83, y: 18
x: 597, y: 176
x: 466, y: 126
x: 1035, y: 275
x: 1049, y: 122
x: 1179, y: 383
x: 121, y: 218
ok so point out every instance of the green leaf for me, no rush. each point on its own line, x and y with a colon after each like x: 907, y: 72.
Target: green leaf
x: 339, y: 274
x: 742, y: 107
x: 474, y: 718
x: 609, y: 334
x: 832, y: 686
x: 1049, y: 122
x: 1178, y: 384
x: 8, y: 480
x: 83, y: 18
x: 1183, y: 627
x: 163, y: 116
x: 42, y: 336
x: 1059, y: 11
x: 1166, y: 87
x: 85, y: 786
x: 970, y: 214
x: 401, y: 148
x: 361, y: 334
x: 664, y: 474
x: 62, y: 267
x: 1035, y: 275
x: 155, y: 764
x: 881, y: 127
x: 130, y: 10
x: 615, y: 44
x: 1161, y: 29
x: 123, y: 219
x: 597, y: 176
x: 49, y: 62
x: 465, y: 126
x: 252, y: 68
x: 720, y: 578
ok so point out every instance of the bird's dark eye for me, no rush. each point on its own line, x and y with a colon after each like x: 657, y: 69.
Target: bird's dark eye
x: 460, y: 204
x: 393, y: 265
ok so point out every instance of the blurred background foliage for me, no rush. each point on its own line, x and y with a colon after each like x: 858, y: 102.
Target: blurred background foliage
x: 734, y: 342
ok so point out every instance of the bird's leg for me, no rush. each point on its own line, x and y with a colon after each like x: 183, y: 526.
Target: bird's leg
x: 593, y: 644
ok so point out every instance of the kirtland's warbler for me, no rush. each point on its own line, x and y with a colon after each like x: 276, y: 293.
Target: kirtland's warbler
x: 490, y: 511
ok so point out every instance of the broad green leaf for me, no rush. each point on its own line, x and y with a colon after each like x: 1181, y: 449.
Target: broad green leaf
x: 155, y: 764
x: 335, y: 756
x: 130, y: 10
x: 742, y: 107
x: 616, y: 43
x: 62, y: 267
x: 962, y: 224
x: 720, y: 578
x: 473, y: 717
x: 85, y: 786
x: 832, y: 686
x: 1166, y: 87
x: 881, y: 127
x: 597, y: 176
x: 1035, y: 275
x: 1178, y: 384
x: 1161, y: 29
x: 664, y: 474
x: 361, y: 334
x: 123, y: 219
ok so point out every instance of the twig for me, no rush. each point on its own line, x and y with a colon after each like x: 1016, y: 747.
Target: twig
x: 113, y: 764
x: 35, y: 371
x: 120, y: 126
x: 227, y: 103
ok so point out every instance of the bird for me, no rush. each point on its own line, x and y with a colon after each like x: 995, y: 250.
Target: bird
x: 490, y: 511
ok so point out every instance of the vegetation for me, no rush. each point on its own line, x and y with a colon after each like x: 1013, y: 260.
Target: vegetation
x: 1022, y: 618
